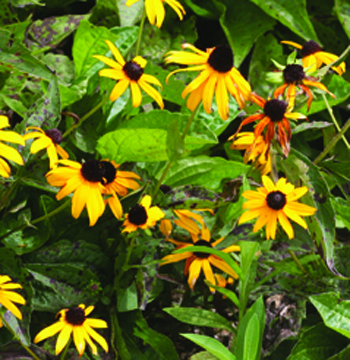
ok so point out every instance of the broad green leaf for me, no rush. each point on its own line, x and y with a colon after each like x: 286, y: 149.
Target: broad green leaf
x: 199, y: 317
x: 127, y: 298
x: 244, y: 347
x: 144, y: 138
x: 89, y: 41
x: 322, y: 231
x: 342, y: 210
x: 310, y: 125
x: 211, y: 345
x: 343, y: 355
x: 317, y: 343
x: 292, y: 14
x: 342, y: 9
x: 47, y: 110
x: 203, y: 170
x: 22, y: 3
x: 338, y: 86
x: 334, y: 311
x: 251, y: 339
x: 239, y: 31
x: 7, y: 15
x: 203, y: 355
x: 105, y: 13
x: 174, y: 142
x: 204, y: 8
x: 129, y: 15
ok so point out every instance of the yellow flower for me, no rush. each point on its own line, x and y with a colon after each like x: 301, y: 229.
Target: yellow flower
x: 256, y: 150
x: 49, y: 140
x: 130, y: 73
x: 294, y: 78
x: 155, y: 10
x: 274, y: 202
x: 313, y: 57
x: 197, y: 261
x: 275, y: 116
x: 8, y: 297
x: 74, y: 321
x: 7, y: 151
x: 217, y: 75
x: 142, y: 215
x: 86, y: 183
x: 116, y: 183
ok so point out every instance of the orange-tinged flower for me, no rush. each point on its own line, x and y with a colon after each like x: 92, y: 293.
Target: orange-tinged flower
x: 275, y: 202
x: 197, y: 261
x: 49, y: 140
x: 294, y: 78
x: 217, y: 75
x: 142, y: 215
x: 6, y: 151
x: 314, y: 57
x: 256, y: 150
x: 129, y: 73
x: 9, y: 297
x: 156, y: 12
x: 276, y: 114
x: 75, y: 322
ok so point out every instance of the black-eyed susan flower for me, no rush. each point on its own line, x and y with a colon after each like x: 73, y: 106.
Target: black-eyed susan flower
x: 9, y: 297
x: 75, y: 322
x: 294, y: 78
x: 198, y: 261
x: 85, y: 181
x: 129, y: 73
x: 276, y: 114
x: 275, y: 202
x: 217, y: 75
x: 256, y: 150
x: 314, y: 57
x: 116, y: 183
x: 6, y: 151
x: 156, y: 12
x: 49, y: 140
x: 142, y: 215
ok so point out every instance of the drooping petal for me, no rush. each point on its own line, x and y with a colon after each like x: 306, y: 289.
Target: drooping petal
x: 63, y: 337
x: 119, y: 89
x: 49, y: 331
x: 194, y: 272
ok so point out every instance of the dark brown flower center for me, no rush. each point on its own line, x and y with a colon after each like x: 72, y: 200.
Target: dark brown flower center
x: 293, y: 74
x: 138, y: 215
x: 133, y: 70
x: 92, y: 171
x: 275, y: 109
x: 200, y: 254
x: 276, y: 200
x: 55, y: 135
x: 221, y: 59
x: 108, y: 172
x: 75, y: 316
x: 309, y: 48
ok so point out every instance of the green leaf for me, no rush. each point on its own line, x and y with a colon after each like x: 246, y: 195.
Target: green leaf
x: 207, y: 9
x: 317, y: 343
x: 226, y: 292
x: 299, y: 167
x: 342, y: 209
x: 203, y: 355
x: 174, y: 141
x: 89, y: 41
x: 46, y: 110
x: 334, y: 311
x: 211, y: 345
x: 239, y: 31
x: 249, y: 337
x: 342, y: 9
x: 199, y: 317
x: 129, y: 15
x: 292, y: 14
x: 105, y: 13
x: 311, y: 125
x: 202, y: 170
x: 144, y: 138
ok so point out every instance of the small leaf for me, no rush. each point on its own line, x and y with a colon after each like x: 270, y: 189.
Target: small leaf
x: 175, y: 143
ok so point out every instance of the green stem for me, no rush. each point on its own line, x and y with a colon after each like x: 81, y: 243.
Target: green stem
x: 335, y: 122
x: 64, y: 353
x: 332, y: 143
x: 17, y: 338
x: 138, y: 43
x: 189, y: 123
x: 86, y: 116
x: 165, y: 171
x: 296, y: 260
x: 42, y: 218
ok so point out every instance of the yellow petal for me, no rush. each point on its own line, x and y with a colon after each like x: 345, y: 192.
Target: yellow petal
x: 119, y: 89
x: 194, y: 272
x: 79, y: 340
x: 63, y: 337
x: 117, y: 55
x: 49, y: 331
x: 96, y: 337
